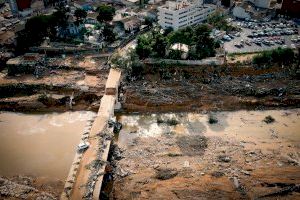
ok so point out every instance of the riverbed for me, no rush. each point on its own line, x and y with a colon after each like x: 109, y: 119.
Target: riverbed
x: 187, y: 156
x: 40, y: 145
x: 239, y: 125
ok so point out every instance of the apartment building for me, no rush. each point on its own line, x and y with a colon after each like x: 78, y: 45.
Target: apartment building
x: 183, y: 13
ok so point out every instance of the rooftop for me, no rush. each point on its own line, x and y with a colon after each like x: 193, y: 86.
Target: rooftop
x: 178, y: 5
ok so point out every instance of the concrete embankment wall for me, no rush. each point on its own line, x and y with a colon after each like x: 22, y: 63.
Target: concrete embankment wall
x: 82, y: 182
x: 203, y: 62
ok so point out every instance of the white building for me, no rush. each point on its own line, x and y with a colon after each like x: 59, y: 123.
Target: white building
x: 183, y: 13
x: 261, y: 3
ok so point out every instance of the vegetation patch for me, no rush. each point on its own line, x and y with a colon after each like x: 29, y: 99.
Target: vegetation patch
x: 212, y: 119
x: 218, y: 20
x: 170, y: 122
x: 278, y: 56
x: 157, y: 45
x: 269, y: 119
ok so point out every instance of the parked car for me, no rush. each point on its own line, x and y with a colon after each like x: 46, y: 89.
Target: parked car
x: 83, y: 146
x: 226, y: 38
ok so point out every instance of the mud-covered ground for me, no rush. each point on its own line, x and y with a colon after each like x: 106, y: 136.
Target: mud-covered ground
x: 183, y: 156
x: 81, y: 79
x: 26, y: 187
x: 199, y: 88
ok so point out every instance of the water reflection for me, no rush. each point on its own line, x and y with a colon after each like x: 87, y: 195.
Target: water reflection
x: 40, y: 144
x: 239, y: 124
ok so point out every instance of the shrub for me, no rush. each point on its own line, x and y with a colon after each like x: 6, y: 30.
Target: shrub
x: 269, y: 119
x: 212, y: 120
x: 159, y: 120
x: 171, y: 122
x: 280, y: 56
x: 175, y: 54
x: 42, y: 98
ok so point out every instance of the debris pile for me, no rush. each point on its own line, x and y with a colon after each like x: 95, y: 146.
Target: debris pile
x: 165, y: 173
x: 10, y: 189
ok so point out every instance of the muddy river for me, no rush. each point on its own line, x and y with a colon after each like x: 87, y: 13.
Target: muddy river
x: 40, y: 145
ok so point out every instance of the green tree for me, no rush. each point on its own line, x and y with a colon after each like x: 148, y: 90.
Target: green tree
x: 175, y: 54
x: 108, y: 33
x: 36, y: 29
x: 204, y: 44
x: 80, y: 15
x: 183, y: 36
x: 130, y: 64
x: 61, y: 17
x: 106, y: 13
x: 226, y: 3
x: 279, y: 56
x: 144, y: 46
x: 159, y: 45
x: 42, y: 23
x: 218, y: 20
x: 119, y: 61
x: 149, y: 21
x: 168, y: 30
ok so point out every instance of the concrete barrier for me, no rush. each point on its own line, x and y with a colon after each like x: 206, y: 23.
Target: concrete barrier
x: 203, y: 62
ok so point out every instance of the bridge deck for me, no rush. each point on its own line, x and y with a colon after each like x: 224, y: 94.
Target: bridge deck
x: 82, y: 173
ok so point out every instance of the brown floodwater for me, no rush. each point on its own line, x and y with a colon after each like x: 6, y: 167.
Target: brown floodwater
x: 40, y: 145
x: 238, y: 125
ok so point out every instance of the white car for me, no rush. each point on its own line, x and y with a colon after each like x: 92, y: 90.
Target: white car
x: 83, y: 146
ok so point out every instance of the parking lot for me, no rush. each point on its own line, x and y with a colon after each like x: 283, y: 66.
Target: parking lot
x: 256, y: 37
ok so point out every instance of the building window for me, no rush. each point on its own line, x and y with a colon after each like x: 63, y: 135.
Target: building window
x: 183, y: 12
x: 182, y: 17
x: 182, y: 21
